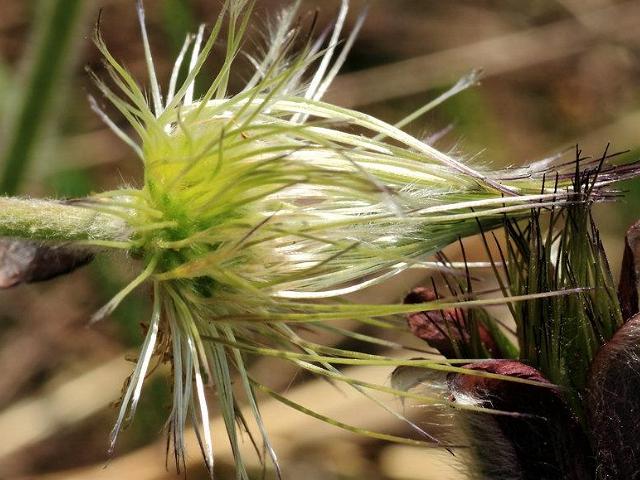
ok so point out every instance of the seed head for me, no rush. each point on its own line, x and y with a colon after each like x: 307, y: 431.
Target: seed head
x: 256, y: 204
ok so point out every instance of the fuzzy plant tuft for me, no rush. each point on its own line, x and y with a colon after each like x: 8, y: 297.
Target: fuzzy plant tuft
x: 261, y: 207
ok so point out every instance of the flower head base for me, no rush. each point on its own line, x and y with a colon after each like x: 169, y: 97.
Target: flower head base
x: 254, y: 205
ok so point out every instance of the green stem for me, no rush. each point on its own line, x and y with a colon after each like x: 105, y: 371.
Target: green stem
x: 49, y: 220
x: 57, y: 32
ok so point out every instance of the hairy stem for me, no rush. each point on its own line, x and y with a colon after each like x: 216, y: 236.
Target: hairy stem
x: 49, y: 220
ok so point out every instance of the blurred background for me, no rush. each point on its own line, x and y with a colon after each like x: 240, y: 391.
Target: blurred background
x: 556, y: 73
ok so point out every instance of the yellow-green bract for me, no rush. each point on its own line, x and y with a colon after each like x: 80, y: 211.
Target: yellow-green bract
x: 257, y: 204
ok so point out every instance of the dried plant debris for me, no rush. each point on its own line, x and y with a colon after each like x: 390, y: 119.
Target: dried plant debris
x: 23, y: 261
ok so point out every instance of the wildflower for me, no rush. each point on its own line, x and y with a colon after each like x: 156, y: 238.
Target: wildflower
x: 258, y: 204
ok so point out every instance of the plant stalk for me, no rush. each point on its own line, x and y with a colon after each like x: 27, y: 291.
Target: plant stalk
x: 53, y: 221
